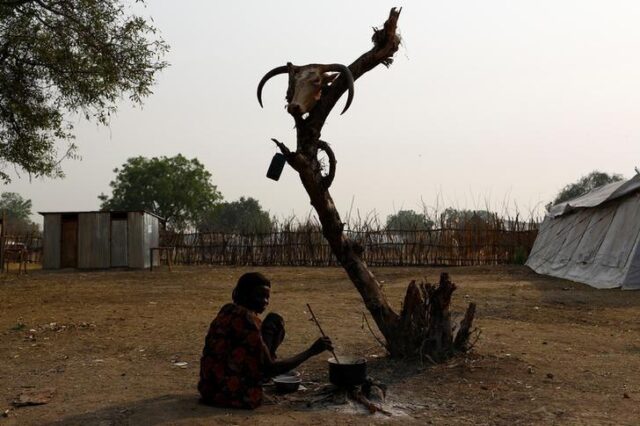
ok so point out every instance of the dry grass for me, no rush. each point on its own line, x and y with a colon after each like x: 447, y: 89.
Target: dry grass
x: 551, y: 351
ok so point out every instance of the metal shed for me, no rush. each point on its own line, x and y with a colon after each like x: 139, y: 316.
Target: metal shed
x: 99, y: 239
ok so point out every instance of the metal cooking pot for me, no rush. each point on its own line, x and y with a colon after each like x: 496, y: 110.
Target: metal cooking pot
x: 351, y: 371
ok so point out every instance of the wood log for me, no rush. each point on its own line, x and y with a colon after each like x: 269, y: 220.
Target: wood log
x: 358, y: 396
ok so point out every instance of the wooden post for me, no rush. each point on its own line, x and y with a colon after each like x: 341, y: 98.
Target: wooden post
x: 167, y: 252
x: 23, y: 261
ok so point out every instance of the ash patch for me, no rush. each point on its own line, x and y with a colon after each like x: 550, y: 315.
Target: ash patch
x: 370, y: 398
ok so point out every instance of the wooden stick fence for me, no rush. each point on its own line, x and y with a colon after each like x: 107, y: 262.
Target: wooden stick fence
x: 22, y: 248
x: 490, y: 242
x: 448, y: 246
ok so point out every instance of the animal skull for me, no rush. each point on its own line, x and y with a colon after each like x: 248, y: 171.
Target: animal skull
x: 306, y: 84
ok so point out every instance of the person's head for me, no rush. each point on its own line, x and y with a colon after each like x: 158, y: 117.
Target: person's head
x: 252, y: 292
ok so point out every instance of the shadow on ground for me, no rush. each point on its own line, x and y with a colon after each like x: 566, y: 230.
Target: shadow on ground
x: 165, y: 409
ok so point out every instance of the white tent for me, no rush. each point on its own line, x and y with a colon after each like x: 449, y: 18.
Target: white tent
x: 593, y: 239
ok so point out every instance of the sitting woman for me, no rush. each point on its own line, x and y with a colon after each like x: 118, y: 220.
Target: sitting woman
x: 240, y: 350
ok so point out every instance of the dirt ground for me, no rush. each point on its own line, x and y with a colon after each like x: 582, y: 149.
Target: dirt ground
x: 551, y: 351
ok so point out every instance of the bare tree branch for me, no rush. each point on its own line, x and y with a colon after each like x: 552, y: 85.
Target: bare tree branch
x: 385, y: 44
x: 328, y: 179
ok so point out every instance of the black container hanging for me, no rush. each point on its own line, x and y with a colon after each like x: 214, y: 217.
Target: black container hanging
x: 275, y: 168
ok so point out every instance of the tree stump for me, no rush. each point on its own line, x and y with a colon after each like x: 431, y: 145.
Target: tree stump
x: 425, y: 329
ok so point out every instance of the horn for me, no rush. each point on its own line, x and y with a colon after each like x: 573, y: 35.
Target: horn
x: 279, y: 70
x: 343, y: 69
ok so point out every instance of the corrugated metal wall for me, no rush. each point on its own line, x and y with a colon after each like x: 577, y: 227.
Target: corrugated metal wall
x: 94, y: 250
x: 136, y: 240
x: 51, y: 242
x: 151, y: 238
x: 103, y: 243
x: 119, y: 243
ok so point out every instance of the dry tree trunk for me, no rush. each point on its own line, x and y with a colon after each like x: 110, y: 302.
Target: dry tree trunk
x: 424, y: 326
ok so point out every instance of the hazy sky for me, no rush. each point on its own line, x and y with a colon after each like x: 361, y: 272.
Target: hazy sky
x: 487, y: 101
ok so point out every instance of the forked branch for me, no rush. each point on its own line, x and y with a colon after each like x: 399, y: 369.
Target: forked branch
x: 386, y: 42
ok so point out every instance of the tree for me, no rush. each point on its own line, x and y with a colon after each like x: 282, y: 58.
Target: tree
x: 175, y: 188
x: 584, y: 185
x: 455, y: 218
x: 18, y: 213
x: 423, y: 327
x: 244, y: 216
x: 408, y: 220
x: 62, y: 58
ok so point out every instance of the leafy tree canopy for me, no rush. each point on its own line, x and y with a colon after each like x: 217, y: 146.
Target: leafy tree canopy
x: 584, y: 185
x: 175, y: 188
x: 244, y: 216
x: 408, y: 220
x: 18, y: 213
x: 67, y: 57
x: 461, y: 218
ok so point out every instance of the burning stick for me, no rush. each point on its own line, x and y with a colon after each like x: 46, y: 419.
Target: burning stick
x: 373, y: 408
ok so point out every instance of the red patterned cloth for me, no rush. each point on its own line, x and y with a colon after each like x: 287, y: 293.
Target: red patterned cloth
x: 233, y: 359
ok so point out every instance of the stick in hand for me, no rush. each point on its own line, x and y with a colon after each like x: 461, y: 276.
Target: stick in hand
x: 321, y: 332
